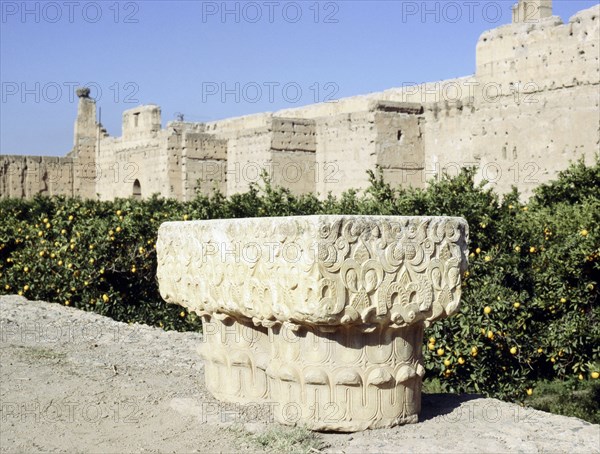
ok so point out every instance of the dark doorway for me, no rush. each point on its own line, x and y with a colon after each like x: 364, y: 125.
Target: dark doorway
x: 137, y: 189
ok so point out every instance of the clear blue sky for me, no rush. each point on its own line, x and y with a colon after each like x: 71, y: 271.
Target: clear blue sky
x: 182, y: 54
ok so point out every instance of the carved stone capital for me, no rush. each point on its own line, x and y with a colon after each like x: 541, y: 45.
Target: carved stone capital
x: 322, y: 315
x: 365, y: 271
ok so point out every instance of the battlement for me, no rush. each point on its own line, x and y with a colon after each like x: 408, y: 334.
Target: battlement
x: 543, y: 54
x: 141, y: 121
x: 531, y: 11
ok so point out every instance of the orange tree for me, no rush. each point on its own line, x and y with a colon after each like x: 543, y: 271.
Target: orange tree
x: 92, y: 255
x: 529, y: 304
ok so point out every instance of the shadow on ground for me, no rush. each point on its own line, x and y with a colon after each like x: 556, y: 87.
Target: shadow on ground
x: 433, y: 405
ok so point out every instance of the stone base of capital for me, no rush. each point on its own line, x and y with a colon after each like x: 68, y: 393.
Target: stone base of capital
x: 341, y: 380
x: 236, y: 354
x: 346, y: 380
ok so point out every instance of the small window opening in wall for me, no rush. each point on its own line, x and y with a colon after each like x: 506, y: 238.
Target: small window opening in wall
x: 136, y: 119
x: 137, y: 189
x: 399, y: 135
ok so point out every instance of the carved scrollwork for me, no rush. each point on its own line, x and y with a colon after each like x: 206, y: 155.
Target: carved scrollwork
x: 316, y: 270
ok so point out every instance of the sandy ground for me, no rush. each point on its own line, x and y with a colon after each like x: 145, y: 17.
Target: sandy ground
x: 72, y: 381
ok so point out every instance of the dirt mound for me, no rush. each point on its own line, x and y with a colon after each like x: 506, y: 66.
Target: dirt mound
x: 76, y: 381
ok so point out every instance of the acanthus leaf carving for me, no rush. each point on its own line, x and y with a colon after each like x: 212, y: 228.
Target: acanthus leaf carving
x: 323, y: 264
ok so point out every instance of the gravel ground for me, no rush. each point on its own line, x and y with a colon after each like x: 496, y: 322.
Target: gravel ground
x: 72, y: 381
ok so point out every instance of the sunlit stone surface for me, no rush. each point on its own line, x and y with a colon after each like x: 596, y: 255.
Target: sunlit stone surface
x: 321, y: 315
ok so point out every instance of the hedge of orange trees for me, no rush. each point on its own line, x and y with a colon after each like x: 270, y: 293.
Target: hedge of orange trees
x: 529, y: 306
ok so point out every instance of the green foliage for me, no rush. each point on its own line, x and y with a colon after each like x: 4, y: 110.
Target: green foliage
x: 573, y: 185
x: 535, y: 266
x: 92, y: 255
x: 569, y: 398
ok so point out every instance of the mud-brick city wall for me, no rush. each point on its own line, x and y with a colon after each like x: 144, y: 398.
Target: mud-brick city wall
x: 530, y: 107
x: 535, y: 104
x: 26, y: 176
